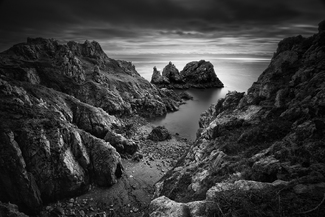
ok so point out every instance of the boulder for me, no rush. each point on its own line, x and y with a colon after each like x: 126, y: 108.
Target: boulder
x: 159, y: 133
x: 10, y: 210
x: 122, y: 145
x: 164, y: 207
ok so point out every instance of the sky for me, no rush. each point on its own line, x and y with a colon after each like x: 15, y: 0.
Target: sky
x: 136, y: 28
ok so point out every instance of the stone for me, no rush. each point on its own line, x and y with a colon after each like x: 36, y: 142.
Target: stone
x: 10, y: 210
x: 164, y: 207
x: 122, y: 145
x: 57, y: 212
x: 159, y: 133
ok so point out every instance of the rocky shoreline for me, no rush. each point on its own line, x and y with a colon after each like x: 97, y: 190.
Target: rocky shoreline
x: 260, y: 153
x: 133, y: 192
x: 64, y: 111
x: 75, y: 142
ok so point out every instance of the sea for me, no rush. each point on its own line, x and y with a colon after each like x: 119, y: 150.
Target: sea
x: 236, y: 73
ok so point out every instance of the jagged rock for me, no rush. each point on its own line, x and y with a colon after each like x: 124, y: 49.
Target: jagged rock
x: 159, y: 133
x: 321, y: 26
x: 164, y: 207
x: 57, y: 104
x: 157, y: 78
x: 196, y: 74
x: 47, y: 157
x: 260, y: 143
x: 17, y: 183
x: 10, y: 210
x: 113, y: 85
x: 171, y: 73
x: 200, y: 75
x: 121, y: 144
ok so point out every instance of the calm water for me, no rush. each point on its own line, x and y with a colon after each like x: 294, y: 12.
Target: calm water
x: 236, y: 74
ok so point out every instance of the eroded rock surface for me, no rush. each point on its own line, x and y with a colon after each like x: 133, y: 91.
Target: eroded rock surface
x: 196, y: 74
x: 60, y: 119
x: 259, y: 150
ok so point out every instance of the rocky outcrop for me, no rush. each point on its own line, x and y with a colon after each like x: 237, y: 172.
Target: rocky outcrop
x: 171, y: 73
x: 85, y: 72
x: 159, y: 133
x: 10, y: 210
x: 44, y: 155
x: 196, y: 74
x: 157, y: 78
x: 259, y: 150
x: 61, y: 109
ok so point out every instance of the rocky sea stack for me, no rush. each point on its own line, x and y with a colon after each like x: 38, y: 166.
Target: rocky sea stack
x: 196, y: 74
x: 260, y: 153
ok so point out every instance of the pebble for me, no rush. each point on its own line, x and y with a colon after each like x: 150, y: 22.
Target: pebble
x: 71, y: 200
x: 82, y: 213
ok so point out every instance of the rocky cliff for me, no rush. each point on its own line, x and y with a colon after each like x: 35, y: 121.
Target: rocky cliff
x: 196, y: 74
x: 60, y: 126
x: 260, y: 153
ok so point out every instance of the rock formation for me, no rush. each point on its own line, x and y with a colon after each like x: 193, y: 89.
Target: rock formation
x: 196, y: 74
x: 60, y: 108
x: 171, y: 73
x: 260, y: 153
x: 159, y: 133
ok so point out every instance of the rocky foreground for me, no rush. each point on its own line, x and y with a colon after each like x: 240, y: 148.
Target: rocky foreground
x: 196, y: 74
x: 260, y: 153
x: 63, y: 112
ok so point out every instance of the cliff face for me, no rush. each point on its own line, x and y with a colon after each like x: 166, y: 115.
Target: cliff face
x: 59, y: 119
x: 196, y: 74
x: 260, y: 153
x: 85, y: 72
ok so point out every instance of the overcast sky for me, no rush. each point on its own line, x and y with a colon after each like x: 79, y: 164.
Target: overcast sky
x: 142, y: 27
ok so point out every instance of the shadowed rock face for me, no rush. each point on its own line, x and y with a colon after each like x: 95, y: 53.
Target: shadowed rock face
x: 255, y: 148
x: 196, y: 74
x: 59, y: 110
x: 44, y: 155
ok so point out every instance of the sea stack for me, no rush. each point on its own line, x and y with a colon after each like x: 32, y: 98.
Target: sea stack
x: 196, y: 74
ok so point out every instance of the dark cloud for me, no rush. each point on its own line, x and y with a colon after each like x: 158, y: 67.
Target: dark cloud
x: 137, y: 21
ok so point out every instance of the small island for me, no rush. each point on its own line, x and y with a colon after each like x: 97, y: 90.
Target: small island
x: 196, y: 74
